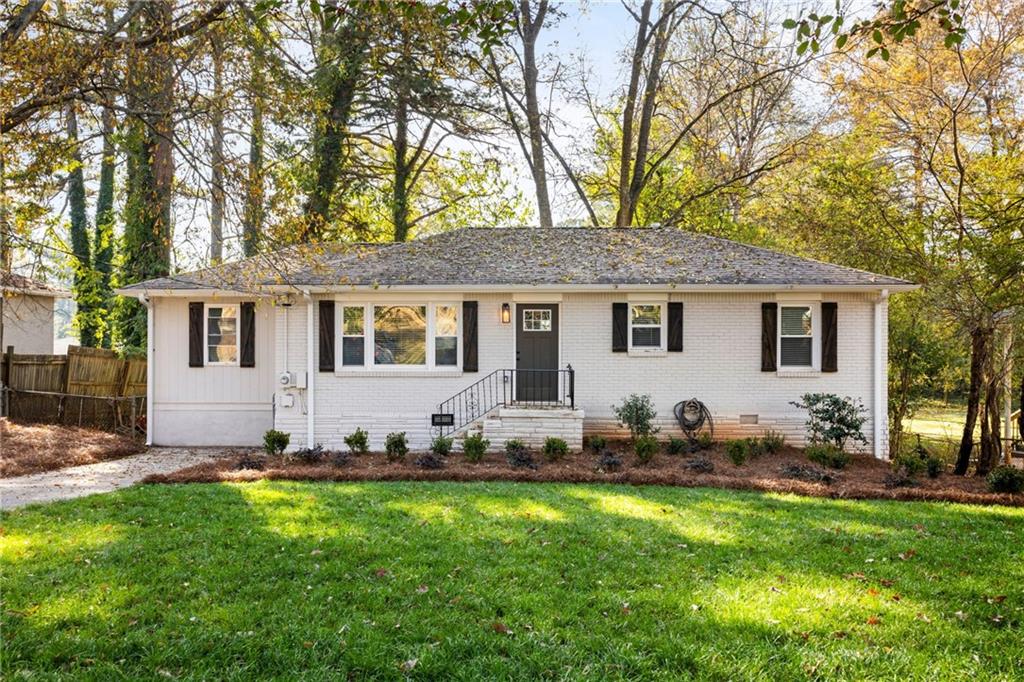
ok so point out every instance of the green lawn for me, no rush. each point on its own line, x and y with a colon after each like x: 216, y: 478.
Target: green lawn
x: 509, y: 581
x: 939, y: 420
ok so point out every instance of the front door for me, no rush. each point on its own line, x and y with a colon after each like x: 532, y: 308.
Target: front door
x: 537, y: 352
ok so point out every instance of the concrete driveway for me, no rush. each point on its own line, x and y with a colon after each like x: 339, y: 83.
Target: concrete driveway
x: 104, y: 477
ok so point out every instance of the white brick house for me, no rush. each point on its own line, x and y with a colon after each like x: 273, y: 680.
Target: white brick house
x: 317, y: 341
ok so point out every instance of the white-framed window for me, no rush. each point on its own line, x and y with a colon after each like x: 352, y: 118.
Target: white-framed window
x: 353, y: 335
x: 222, y: 335
x: 647, y: 326
x: 401, y: 335
x: 537, y: 320
x: 797, y: 332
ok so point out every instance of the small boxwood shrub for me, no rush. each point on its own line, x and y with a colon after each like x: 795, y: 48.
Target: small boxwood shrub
x: 555, y: 449
x: 913, y: 464
x: 311, y: 455
x: 597, y: 443
x: 475, y: 446
x: 1006, y: 479
x: 441, y: 446
x: 430, y: 460
x: 678, y: 446
x: 340, y: 458
x: 358, y: 442
x: 609, y: 461
x: 704, y: 440
x: 275, y: 442
x: 701, y: 465
x: 772, y: 442
x: 934, y: 466
x: 518, y: 455
x: 637, y: 413
x: 737, y: 450
x: 396, y: 446
x: 645, y: 447
x: 827, y: 454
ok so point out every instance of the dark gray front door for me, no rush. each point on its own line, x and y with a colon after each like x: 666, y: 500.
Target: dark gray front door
x: 537, y: 352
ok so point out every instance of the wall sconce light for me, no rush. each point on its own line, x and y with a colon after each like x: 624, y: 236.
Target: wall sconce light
x: 506, y: 313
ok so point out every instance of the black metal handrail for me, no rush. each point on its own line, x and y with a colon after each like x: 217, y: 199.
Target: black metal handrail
x: 506, y: 387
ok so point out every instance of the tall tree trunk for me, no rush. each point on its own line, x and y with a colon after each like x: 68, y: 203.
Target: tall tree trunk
x: 252, y: 214
x: 538, y: 168
x: 339, y: 72
x: 622, y: 217
x: 643, y: 137
x: 981, y: 341
x: 990, y: 425
x: 217, y: 150
x: 79, y: 235
x: 103, y: 236
x: 149, y: 151
x: 402, y: 170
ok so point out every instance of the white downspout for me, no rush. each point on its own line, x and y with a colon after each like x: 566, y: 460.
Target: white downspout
x: 310, y: 370
x: 150, y: 365
x: 880, y: 413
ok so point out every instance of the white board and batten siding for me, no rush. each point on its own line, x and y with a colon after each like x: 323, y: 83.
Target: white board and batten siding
x: 210, y: 405
x: 28, y: 323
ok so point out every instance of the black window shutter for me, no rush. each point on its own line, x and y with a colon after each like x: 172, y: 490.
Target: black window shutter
x: 195, y: 334
x: 247, y: 356
x: 675, y: 327
x: 829, y: 337
x: 620, y: 327
x: 769, y: 335
x: 470, y: 354
x: 326, y: 336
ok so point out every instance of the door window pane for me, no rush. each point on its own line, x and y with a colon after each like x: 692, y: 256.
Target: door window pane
x: 536, y: 320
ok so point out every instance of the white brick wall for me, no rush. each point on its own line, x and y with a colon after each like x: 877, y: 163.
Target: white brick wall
x: 720, y: 365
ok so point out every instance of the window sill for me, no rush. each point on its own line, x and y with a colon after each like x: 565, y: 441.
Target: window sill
x: 647, y: 353
x: 794, y: 372
x: 412, y: 372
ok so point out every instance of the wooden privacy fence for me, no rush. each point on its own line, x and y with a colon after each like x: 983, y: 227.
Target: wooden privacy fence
x: 87, y: 387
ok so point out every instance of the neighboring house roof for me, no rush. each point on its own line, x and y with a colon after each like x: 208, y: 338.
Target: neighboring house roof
x: 550, y: 257
x: 13, y: 283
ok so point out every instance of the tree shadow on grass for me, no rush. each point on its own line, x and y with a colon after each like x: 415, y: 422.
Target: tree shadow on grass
x: 498, y: 580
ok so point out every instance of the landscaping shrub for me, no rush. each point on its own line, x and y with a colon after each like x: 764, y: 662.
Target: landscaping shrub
x: 1006, y: 479
x: 430, y: 460
x: 358, y: 442
x: 704, y: 440
x: 772, y: 442
x: 518, y: 455
x: 597, y: 443
x: 555, y: 449
x: 475, y: 446
x: 609, y: 461
x: 645, y: 447
x: 913, y: 464
x: 803, y: 472
x: 396, y: 446
x: 736, y: 450
x: 899, y: 477
x: 311, y: 455
x: 834, y: 420
x: 250, y: 461
x: 934, y: 466
x: 827, y: 454
x: 637, y: 413
x: 678, y: 446
x: 339, y: 458
x: 441, y: 446
x: 701, y: 465
x: 275, y: 442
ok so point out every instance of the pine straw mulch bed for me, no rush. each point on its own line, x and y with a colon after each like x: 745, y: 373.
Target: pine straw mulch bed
x: 863, y: 478
x: 33, y: 448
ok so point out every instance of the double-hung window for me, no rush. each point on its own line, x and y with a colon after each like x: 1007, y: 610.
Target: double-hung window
x: 646, y: 326
x: 400, y: 335
x: 222, y: 335
x: 353, y: 336
x: 796, y: 336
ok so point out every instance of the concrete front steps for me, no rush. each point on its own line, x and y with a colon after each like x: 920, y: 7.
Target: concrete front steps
x: 532, y: 425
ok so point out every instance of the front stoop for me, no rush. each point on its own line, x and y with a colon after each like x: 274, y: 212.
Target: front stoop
x: 533, y: 425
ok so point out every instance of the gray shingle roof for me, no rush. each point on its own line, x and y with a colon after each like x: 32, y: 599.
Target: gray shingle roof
x: 536, y: 256
x: 12, y: 282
